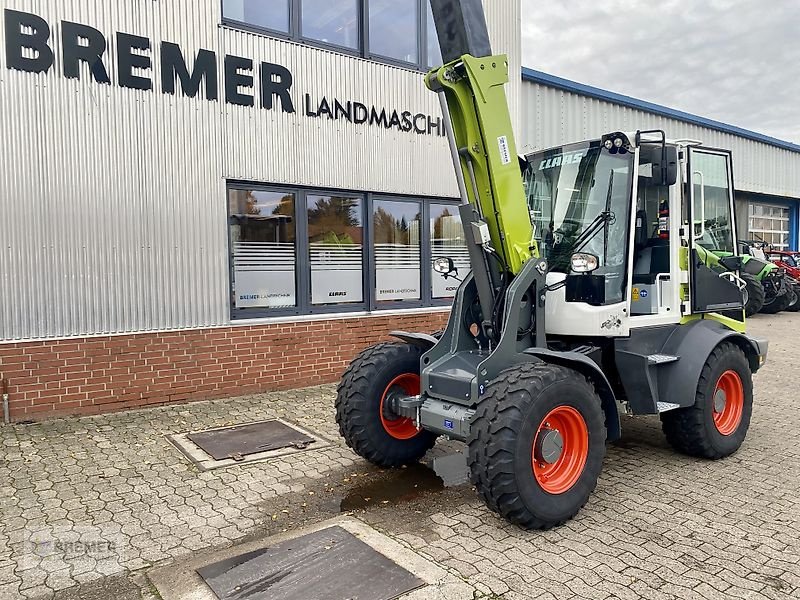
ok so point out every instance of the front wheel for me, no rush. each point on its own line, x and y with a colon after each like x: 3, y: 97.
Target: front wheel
x: 537, y: 444
x: 363, y: 405
x: 753, y: 294
x: 794, y: 306
x: 717, y: 424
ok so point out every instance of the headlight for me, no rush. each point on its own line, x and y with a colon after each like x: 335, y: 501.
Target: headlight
x: 583, y: 262
x: 608, y: 144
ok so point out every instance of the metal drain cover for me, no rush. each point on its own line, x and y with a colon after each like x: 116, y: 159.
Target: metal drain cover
x: 241, y: 440
x: 330, y: 564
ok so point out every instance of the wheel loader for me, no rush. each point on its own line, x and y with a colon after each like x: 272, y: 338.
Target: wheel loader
x: 589, y: 297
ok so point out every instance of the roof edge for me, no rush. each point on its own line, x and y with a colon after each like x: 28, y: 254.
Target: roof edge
x: 658, y: 109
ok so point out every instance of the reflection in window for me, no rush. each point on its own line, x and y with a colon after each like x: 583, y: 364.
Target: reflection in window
x: 434, y: 51
x: 447, y: 240
x: 393, y: 27
x: 272, y: 14
x: 262, y: 233
x: 335, y: 242
x: 396, y: 228
x: 332, y: 22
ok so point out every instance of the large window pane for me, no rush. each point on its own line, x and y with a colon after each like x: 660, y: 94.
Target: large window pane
x: 396, y: 228
x: 434, y: 51
x: 393, y: 29
x: 335, y: 242
x: 262, y: 233
x: 272, y: 14
x: 447, y: 240
x: 331, y: 21
x: 713, y: 225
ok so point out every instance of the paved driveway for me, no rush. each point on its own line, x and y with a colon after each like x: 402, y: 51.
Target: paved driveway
x: 89, y: 505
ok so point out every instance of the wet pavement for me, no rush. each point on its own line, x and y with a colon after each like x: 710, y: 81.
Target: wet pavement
x: 90, y: 506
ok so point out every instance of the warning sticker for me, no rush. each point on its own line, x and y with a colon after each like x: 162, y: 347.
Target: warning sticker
x: 505, y: 155
x: 635, y: 294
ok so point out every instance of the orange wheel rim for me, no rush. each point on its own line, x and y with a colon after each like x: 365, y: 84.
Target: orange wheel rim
x: 560, y: 449
x: 728, y: 402
x: 400, y: 428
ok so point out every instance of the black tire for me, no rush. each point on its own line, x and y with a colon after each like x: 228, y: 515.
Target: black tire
x: 755, y: 294
x: 795, y: 305
x: 779, y: 304
x: 503, y: 434
x: 358, y: 403
x: 692, y: 430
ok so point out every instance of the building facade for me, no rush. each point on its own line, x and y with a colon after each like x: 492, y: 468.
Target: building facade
x: 205, y: 199
x: 201, y: 199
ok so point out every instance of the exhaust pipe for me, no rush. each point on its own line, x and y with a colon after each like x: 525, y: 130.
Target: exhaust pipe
x: 6, y: 416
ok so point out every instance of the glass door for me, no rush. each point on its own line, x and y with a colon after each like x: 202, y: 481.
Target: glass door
x: 712, y: 231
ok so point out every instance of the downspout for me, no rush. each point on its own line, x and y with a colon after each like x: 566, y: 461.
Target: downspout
x: 6, y: 416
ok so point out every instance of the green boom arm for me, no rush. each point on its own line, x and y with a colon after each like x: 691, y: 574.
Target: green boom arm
x: 481, y: 123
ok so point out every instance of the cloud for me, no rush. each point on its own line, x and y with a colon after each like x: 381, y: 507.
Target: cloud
x: 735, y: 61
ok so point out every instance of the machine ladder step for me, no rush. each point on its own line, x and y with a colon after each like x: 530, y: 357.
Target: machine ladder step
x: 661, y: 359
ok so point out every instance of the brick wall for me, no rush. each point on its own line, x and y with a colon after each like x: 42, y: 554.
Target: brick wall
x: 101, y: 374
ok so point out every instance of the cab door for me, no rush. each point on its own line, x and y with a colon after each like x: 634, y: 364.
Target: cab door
x: 712, y: 231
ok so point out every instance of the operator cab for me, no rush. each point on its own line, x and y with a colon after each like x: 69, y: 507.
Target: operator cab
x: 620, y: 199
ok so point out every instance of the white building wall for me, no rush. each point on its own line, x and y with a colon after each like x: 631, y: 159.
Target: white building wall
x: 552, y: 116
x: 113, y: 212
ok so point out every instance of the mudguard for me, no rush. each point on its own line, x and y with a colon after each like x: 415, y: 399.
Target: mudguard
x: 692, y: 343
x: 591, y: 370
x: 423, y: 340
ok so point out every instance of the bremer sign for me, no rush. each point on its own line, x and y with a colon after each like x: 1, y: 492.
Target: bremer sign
x: 28, y: 48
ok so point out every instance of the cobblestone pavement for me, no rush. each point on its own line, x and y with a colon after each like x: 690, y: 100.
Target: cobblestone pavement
x: 89, y: 504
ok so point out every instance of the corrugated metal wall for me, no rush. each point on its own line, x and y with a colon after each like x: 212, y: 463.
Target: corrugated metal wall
x: 552, y: 116
x: 112, y: 201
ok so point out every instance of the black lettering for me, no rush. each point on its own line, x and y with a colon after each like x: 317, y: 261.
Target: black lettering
x: 234, y: 80
x: 74, y: 52
x: 339, y: 109
x: 395, y: 120
x: 309, y: 112
x: 378, y: 118
x: 417, y: 127
x: 127, y: 60
x: 173, y: 65
x: 325, y: 108
x: 407, y: 121
x: 360, y: 113
x: 36, y: 40
x: 276, y: 80
x: 434, y: 125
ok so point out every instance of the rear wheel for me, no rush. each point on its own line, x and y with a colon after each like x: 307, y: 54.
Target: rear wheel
x: 363, y: 405
x: 537, y: 444
x: 717, y: 423
x: 754, y: 294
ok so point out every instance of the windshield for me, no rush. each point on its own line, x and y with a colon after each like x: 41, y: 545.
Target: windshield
x: 579, y: 200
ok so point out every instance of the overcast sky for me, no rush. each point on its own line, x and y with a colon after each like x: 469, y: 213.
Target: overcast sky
x: 736, y: 61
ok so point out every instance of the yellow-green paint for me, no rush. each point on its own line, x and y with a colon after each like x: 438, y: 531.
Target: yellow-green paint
x: 478, y: 109
x: 731, y: 324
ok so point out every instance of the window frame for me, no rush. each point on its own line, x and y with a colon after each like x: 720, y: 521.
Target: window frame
x: 369, y: 304
x: 362, y: 51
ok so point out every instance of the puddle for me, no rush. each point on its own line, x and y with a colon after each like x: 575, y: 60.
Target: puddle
x: 404, y: 485
x: 452, y: 469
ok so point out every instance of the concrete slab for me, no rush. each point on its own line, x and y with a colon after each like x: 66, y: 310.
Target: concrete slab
x: 180, y: 581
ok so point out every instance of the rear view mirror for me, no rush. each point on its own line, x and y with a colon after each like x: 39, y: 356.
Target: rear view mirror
x: 658, y: 165
x: 444, y: 266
